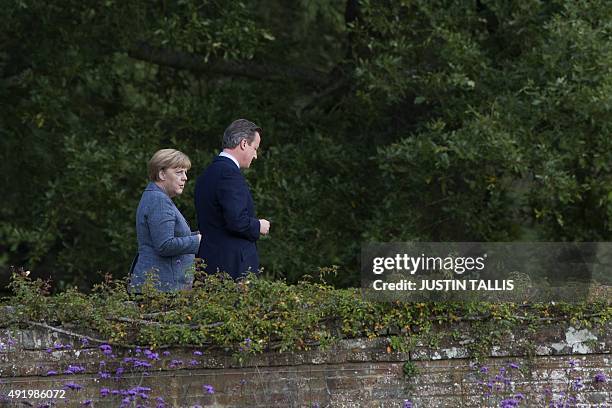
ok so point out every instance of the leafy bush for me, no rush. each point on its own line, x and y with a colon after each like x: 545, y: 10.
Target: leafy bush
x: 258, y: 314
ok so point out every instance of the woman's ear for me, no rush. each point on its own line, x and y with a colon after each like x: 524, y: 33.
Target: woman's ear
x: 162, y: 175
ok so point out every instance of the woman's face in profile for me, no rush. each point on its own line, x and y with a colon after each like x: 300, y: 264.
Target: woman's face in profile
x: 173, y: 180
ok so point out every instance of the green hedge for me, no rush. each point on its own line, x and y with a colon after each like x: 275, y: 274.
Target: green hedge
x: 258, y: 314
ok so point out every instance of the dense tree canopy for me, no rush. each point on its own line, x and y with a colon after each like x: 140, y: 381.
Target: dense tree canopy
x: 383, y: 120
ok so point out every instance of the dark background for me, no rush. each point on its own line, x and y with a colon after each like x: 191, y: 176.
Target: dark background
x: 383, y: 121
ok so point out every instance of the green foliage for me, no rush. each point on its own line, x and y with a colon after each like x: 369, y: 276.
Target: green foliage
x: 449, y: 185
x: 256, y: 315
x: 503, y: 106
x: 403, y: 344
x: 430, y: 121
x: 410, y: 370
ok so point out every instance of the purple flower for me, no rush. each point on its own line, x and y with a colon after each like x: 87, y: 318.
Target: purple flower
x: 73, y: 386
x: 141, y: 363
x: 194, y: 362
x: 209, y: 388
x: 407, y: 404
x: 87, y: 403
x: 104, y: 375
x: 160, y: 400
x: 513, y: 365
x: 175, y: 363
x: 484, y: 369
x: 247, y: 344
x: 519, y: 396
x: 151, y: 355
x: 49, y: 350
x: 577, y: 384
x: 104, y: 392
x: 119, y: 372
x: 138, y: 350
x: 509, y: 403
x: 166, y: 353
x: 51, y: 372
x: 572, y: 363
x: 74, y: 369
x: 197, y: 353
x: 84, y: 342
x: 106, y: 349
x: 600, y: 378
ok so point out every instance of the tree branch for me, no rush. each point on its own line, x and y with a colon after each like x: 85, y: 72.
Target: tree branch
x: 69, y: 333
x: 160, y: 324
x: 248, y: 69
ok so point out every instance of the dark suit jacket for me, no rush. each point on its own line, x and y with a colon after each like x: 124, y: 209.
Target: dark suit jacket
x: 226, y: 219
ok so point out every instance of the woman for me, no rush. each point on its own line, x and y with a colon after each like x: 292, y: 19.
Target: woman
x: 166, y: 245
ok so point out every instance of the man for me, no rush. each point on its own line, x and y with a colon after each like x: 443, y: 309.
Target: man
x: 224, y: 205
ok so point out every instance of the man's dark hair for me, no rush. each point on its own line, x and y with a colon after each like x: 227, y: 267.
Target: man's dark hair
x: 238, y: 130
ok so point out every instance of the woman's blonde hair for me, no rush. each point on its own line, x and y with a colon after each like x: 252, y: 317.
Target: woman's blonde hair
x: 167, y: 159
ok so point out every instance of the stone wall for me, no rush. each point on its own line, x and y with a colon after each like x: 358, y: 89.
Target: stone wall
x: 543, y: 366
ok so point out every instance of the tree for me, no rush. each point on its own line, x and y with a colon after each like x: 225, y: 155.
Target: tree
x: 394, y: 120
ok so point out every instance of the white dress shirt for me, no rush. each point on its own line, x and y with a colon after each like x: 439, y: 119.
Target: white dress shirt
x: 229, y: 156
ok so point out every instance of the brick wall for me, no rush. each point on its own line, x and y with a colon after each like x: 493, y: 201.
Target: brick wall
x: 353, y: 373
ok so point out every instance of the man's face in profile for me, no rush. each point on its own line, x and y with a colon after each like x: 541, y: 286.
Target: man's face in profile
x: 250, y: 152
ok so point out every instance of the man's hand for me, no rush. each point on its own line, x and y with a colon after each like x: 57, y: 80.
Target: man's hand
x: 264, y: 227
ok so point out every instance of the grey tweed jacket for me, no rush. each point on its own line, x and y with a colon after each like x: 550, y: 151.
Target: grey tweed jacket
x: 166, y: 245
